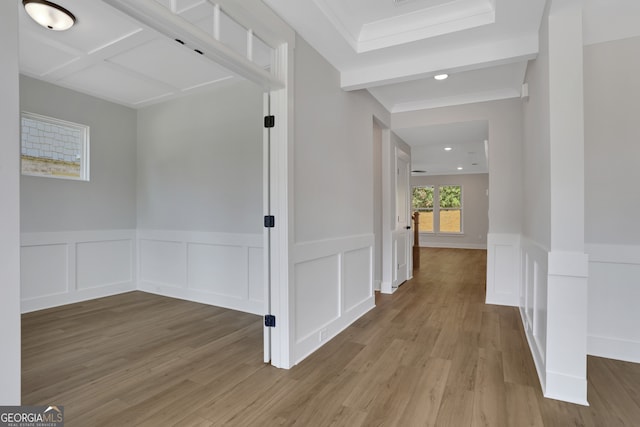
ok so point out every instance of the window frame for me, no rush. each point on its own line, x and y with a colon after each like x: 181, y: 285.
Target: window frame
x: 84, y: 130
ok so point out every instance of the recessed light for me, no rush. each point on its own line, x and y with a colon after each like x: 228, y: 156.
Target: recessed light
x: 418, y: 171
x: 441, y: 76
x: 448, y: 148
x: 474, y: 164
x: 459, y: 168
x: 49, y: 15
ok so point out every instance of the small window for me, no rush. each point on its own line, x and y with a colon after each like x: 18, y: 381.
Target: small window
x: 450, y: 208
x: 54, y: 148
x: 422, y: 202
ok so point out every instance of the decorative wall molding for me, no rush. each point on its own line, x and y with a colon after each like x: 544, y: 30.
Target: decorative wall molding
x: 614, y: 295
x: 503, y: 267
x: 65, y: 267
x: 533, y: 301
x: 332, y: 288
x: 221, y: 269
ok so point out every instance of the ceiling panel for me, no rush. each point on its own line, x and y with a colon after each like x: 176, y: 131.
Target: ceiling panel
x: 115, y: 84
x: 171, y: 63
x: 97, y: 25
x: 38, y: 56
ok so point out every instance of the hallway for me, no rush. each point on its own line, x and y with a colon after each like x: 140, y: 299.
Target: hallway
x: 431, y: 354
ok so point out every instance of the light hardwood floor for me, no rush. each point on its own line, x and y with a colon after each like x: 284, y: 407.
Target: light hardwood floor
x: 431, y: 354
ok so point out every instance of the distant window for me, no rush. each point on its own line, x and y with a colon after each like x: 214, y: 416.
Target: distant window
x: 450, y: 197
x: 54, y: 148
x: 422, y: 202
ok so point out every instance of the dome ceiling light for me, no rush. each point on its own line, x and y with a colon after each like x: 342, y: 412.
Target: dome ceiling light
x: 49, y: 15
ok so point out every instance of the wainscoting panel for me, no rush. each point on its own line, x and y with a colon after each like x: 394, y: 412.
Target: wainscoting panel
x: 333, y: 287
x: 220, y: 269
x: 65, y: 267
x: 614, y: 301
x: 104, y: 263
x: 533, y: 301
x: 503, y: 271
x: 44, y: 270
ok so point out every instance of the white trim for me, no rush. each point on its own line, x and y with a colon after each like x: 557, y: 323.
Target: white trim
x: 334, y: 254
x: 614, y: 254
x: 183, y: 278
x: 70, y: 242
x: 503, y: 269
x: 570, y: 387
x: 451, y: 245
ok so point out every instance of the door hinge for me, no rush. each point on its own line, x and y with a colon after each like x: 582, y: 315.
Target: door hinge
x: 270, y: 321
x: 269, y: 221
x: 269, y: 121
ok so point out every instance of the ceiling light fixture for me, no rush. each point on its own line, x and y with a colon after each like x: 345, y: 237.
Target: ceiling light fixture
x: 441, y: 76
x: 448, y: 148
x: 459, y: 168
x: 49, y: 15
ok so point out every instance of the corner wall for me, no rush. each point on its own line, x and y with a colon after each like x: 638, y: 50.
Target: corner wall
x: 611, y: 203
x: 200, y: 201
x: 78, y: 238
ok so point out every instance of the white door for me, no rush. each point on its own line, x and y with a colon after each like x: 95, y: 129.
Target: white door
x: 402, y: 234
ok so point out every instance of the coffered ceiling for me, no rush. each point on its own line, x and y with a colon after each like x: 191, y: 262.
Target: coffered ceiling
x: 392, y: 48
x: 112, y: 56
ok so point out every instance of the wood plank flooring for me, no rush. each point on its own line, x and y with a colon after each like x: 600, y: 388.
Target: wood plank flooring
x: 432, y: 354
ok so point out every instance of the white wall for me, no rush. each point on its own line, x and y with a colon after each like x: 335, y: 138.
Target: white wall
x: 78, y: 238
x: 475, y: 211
x: 9, y: 208
x: 505, y: 185
x: 200, y: 162
x: 612, y: 205
x: 200, y: 197
x: 332, y: 279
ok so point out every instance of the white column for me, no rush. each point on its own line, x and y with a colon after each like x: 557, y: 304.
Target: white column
x: 568, y: 264
x: 9, y: 207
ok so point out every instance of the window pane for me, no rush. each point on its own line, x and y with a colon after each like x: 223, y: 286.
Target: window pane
x: 450, y: 196
x: 422, y: 201
x: 425, y: 221
x: 422, y: 197
x: 450, y: 221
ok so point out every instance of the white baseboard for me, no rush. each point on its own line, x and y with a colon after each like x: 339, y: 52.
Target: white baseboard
x: 574, y: 388
x: 452, y: 245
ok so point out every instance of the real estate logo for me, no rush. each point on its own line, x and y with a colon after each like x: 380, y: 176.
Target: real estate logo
x: 31, y: 416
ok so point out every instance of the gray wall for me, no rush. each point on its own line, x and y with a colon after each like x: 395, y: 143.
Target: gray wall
x: 536, y: 149
x: 505, y: 153
x: 475, y: 208
x: 200, y: 161
x: 333, y: 151
x: 9, y: 208
x: 612, y: 142
x: 108, y: 200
